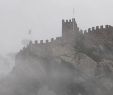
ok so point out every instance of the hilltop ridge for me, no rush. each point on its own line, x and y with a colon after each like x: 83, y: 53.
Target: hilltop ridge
x: 70, y: 35
x: 77, y: 60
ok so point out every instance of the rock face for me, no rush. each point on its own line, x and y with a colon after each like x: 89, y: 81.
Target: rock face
x: 75, y: 64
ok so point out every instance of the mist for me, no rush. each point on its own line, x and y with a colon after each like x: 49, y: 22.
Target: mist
x: 30, y: 73
x: 44, y: 18
x: 34, y: 75
x: 42, y: 77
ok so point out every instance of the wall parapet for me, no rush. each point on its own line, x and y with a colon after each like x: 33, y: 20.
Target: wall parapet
x: 70, y: 21
x: 98, y: 29
x: 67, y: 21
x: 67, y: 25
x: 42, y: 42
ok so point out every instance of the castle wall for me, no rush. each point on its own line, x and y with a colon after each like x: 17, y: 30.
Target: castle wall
x: 98, y: 35
x: 65, y: 44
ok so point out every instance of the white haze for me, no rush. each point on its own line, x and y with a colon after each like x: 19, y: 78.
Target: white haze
x: 44, y: 17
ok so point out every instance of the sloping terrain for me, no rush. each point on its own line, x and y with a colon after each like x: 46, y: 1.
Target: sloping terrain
x: 85, y: 70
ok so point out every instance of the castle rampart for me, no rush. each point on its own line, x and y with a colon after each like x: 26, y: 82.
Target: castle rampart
x: 99, y: 29
x: 68, y: 34
x: 90, y: 30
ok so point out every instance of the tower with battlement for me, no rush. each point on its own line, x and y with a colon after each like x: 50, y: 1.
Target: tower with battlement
x: 70, y: 33
x: 69, y: 28
x: 76, y: 47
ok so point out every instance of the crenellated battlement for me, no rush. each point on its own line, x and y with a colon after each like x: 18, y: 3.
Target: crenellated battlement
x: 90, y: 30
x: 41, y: 43
x: 67, y: 21
x: 98, y: 29
x: 69, y: 32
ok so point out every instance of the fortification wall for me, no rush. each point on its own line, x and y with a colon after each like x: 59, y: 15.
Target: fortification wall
x: 67, y: 35
x: 41, y: 48
x: 104, y: 32
x: 99, y: 35
x: 106, y: 28
x: 70, y: 32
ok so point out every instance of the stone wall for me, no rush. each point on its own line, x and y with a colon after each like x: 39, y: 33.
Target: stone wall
x: 65, y: 44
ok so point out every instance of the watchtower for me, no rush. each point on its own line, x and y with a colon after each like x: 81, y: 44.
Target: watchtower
x: 69, y: 29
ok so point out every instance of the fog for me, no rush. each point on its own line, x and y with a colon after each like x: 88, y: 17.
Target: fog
x: 44, y: 18
x: 48, y: 77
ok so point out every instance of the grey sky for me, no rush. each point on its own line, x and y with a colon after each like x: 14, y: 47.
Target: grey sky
x: 44, y: 17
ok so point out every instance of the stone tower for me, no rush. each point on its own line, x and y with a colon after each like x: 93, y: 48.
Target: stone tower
x: 69, y: 30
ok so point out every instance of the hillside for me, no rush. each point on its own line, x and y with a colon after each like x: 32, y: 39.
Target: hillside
x: 75, y: 64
